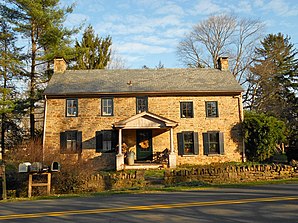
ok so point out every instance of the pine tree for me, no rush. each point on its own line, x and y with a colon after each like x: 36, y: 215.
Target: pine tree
x: 9, y: 67
x: 41, y: 22
x: 276, y: 71
x: 92, y: 52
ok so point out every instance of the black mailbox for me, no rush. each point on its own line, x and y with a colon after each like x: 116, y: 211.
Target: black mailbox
x: 55, y: 167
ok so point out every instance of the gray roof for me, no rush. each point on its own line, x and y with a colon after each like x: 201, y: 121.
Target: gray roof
x: 80, y: 82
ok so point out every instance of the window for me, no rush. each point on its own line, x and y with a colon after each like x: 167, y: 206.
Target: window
x: 211, y: 109
x: 188, y: 143
x: 107, y: 106
x: 71, y: 107
x: 213, y: 143
x: 70, y: 141
x: 142, y: 104
x: 186, y: 109
x: 106, y: 141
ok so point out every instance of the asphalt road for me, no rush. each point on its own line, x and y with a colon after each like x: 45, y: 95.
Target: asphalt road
x: 272, y: 203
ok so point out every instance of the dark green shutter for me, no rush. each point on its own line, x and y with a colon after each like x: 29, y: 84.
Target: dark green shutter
x: 216, y: 104
x: 221, y: 143
x: 181, y: 115
x: 206, y: 143
x: 98, y: 138
x: 180, y: 143
x: 62, y: 142
x: 114, y: 139
x: 195, y: 143
x: 79, y: 142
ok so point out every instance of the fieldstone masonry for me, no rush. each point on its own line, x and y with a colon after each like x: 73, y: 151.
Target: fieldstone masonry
x: 232, y: 174
x: 89, y: 121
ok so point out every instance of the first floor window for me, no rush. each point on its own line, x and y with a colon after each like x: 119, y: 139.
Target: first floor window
x: 70, y: 141
x: 186, y: 109
x: 213, y: 143
x: 107, y: 106
x: 71, y: 107
x: 188, y: 143
x: 211, y: 109
x: 142, y: 104
x: 106, y: 140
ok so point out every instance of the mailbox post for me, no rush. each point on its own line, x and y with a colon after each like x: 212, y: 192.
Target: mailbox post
x: 37, y: 169
x: 45, y: 184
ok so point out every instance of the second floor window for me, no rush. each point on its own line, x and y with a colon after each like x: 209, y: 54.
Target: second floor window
x: 107, y: 106
x: 186, y: 109
x: 71, y: 107
x: 211, y: 109
x: 142, y: 104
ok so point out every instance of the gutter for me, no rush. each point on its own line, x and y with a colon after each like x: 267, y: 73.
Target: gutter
x: 44, y: 128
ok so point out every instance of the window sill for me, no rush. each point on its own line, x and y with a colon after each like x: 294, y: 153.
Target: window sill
x: 189, y: 155
x: 214, y: 154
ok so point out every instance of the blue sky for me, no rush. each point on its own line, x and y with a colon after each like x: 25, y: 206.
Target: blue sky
x: 145, y: 32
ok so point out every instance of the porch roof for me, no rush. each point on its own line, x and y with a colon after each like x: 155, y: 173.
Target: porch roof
x: 146, y: 120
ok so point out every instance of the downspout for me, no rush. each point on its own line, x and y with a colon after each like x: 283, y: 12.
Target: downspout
x: 241, y: 118
x: 44, y: 127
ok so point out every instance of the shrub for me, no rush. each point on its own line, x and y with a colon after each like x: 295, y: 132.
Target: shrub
x: 262, y: 134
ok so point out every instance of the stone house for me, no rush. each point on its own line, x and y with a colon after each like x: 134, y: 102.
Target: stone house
x: 192, y: 115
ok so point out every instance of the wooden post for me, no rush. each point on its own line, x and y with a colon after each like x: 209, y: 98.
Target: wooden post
x: 30, y: 185
x: 49, y: 184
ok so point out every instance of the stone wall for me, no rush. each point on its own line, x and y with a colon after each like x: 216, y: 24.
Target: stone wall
x: 120, y: 180
x: 89, y: 121
x: 232, y: 174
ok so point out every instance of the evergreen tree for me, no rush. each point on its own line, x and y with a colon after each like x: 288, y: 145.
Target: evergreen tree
x: 41, y: 22
x: 262, y: 135
x: 9, y: 67
x: 92, y: 52
x: 276, y: 72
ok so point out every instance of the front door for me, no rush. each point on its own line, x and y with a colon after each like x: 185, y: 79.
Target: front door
x: 144, y: 144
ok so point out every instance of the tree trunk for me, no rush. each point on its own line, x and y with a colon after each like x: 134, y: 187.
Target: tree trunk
x: 32, y: 81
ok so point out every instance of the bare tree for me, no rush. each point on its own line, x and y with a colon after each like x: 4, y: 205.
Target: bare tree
x: 116, y: 61
x: 223, y: 35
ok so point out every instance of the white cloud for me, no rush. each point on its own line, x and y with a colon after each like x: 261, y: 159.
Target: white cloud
x: 140, y: 48
x: 282, y: 8
x: 76, y: 19
x: 171, y: 8
x: 258, y: 3
x: 206, y: 7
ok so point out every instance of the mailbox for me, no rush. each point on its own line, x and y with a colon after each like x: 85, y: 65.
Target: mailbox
x: 55, y: 167
x: 36, y: 167
x: 24, y: 167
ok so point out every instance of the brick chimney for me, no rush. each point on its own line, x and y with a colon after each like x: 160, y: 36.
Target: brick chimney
x: 59, y: 65
x: 223, y: 63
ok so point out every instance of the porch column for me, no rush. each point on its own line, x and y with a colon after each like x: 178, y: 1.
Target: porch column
x: 120, y: 142
x: 172, y: 155
x: 171, y: 141
x: 119, y: 156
